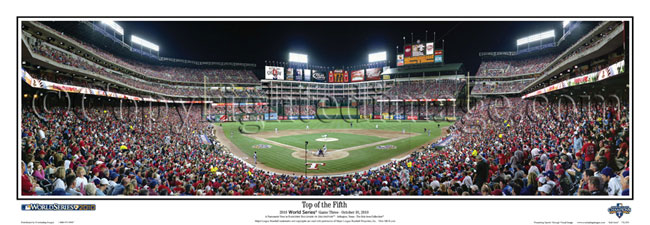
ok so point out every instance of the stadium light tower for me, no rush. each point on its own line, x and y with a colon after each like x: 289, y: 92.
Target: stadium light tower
x: 144, y: 43
x: 535, y: 37
x: 377, y: 56
x: 115, y: 27
x: 299, y: 58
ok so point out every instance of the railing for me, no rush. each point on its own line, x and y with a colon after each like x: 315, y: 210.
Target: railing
x: 497, y: 54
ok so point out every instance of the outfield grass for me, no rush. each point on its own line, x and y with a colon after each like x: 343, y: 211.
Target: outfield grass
x: 280, y: 158
x: 345, y: 140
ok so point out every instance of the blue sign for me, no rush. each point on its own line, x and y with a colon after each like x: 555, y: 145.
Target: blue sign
x: 437, y: 59
x: 270, y: 116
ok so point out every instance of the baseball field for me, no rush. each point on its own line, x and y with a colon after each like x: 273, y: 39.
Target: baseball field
x: 351, y: 145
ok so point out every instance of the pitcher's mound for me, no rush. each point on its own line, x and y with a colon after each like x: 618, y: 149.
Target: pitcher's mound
x: 328, y: 139
x: 330, y: 155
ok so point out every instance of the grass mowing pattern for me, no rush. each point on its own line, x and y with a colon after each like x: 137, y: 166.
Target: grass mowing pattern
x: 280, y: 158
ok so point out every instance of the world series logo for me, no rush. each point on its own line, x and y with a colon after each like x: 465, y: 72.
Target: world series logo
x: 58, y: 207
x: 619, y: 210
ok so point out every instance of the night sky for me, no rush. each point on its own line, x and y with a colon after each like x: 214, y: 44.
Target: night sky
x: 344, y: 43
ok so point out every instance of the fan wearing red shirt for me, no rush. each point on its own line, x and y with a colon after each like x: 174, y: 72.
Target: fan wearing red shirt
x: 589, y: 150
x: 27, y: 187
x: 502, y: 158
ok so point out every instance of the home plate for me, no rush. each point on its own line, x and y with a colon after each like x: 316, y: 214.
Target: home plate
x: 327, y: 139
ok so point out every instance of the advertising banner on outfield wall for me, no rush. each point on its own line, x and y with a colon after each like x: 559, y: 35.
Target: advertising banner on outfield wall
x: 430, y: 48
x: 298, y: 74
x: 270, y: 116
x: 373, y: 74
x: 319, y: 76
x: 307, y: 74
x: 274, y: 73
x: 357, y: 75
x: 289, y: 73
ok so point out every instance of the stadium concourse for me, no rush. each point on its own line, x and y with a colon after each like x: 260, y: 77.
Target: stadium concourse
x: 529, y: 142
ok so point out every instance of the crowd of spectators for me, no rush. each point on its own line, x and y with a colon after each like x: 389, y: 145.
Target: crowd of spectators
x: 429, y: 89
x: 66, y: 58
x: 502, y: 68
x: 581, y: 151
x: 236, y: 110
x: 299, y: 110
x: 92, y: 152
x: 175, y: 74
x: 490, y: 87
x: 544, y: 149
x: 428, y: 109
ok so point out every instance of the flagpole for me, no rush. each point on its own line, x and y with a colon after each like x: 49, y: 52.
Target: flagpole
x: 434, y: 41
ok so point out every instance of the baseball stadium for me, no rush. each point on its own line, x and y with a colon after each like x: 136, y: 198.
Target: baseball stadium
x: 117, y: 108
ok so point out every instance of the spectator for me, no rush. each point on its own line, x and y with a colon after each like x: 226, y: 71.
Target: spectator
x: 613, y: 181
x: 70, y: 182
x: 594, y: 186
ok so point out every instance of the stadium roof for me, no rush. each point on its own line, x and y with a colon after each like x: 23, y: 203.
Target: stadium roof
x: 457, y: 68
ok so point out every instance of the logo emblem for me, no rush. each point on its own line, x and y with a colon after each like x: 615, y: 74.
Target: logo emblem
x: 314, y: 166
x: 261, y: 146
x: 386, y: 147
x: 619, y: 210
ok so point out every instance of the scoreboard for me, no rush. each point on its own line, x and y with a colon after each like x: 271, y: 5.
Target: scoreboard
x: 420, y: 54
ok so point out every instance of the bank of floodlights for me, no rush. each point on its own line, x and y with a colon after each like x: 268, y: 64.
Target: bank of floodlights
x: 117, y: 28
x: 377, y: 57
x: 144, y: 43
x: 299, y: 58
x: 536, y: 37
